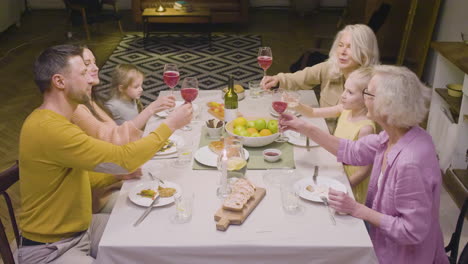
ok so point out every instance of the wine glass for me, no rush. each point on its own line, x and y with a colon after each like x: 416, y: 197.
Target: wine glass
x: 265, y: 58
x: 292, y: 98
x: 279, y: 105
x: 171, y: 76
x: 189, y: 92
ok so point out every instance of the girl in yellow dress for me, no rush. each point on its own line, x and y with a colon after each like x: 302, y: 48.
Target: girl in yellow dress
x: 352, y: 124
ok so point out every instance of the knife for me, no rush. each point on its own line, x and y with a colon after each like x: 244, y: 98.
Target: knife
x: 147, y: 211
x: 307, y: 144
x: 314, y: 177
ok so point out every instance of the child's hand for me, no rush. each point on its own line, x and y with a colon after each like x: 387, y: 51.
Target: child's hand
x: 163, y: 103
x: 291, y: 122
x: 180, y: 117
x: 134, y: 175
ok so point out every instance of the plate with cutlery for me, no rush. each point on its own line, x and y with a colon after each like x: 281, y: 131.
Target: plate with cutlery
x: 171, y: 145
x: 306, y: 188
x: 298, y: 139
x: 144, y: 193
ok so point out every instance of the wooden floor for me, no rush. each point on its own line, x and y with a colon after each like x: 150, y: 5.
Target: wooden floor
x: 288, y: 34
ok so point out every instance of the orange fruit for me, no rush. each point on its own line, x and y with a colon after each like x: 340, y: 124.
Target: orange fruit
x: 252, y: 130
x: 265, y: 132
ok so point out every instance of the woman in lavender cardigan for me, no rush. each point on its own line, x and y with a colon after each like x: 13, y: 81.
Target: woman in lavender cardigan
x: 403, y: 198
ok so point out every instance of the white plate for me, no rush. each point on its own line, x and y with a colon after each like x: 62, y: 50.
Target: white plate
x: 298, y: 139
x: 177, y: 104
x: 323, y: 184
x: 144, y: 201
x: 276, y: 114
x: 207, y: 157
x: 177, y: 140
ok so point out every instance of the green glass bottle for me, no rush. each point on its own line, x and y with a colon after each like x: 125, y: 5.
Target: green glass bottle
x: 230, y: 101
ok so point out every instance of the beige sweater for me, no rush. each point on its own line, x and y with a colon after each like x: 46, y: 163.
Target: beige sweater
x: 331, y: 88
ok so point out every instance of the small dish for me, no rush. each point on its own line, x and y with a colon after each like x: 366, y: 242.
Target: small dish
x: 454, y: 89
x: 272, y: 155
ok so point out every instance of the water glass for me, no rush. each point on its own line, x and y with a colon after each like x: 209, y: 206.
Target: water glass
x: 183, y: 208
x: 255, y: 89
x: 184, y: 154
x: 289, y: 198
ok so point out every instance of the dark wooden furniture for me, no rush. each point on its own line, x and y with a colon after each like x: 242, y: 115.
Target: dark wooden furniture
x: 452, y: 247
x: 222, y: 11
x: 7, y: 179
x: 150, y: 15
x: 89, y: 17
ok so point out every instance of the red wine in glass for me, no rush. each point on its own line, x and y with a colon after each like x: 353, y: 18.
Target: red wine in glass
x: 264, y: 62
x: 279, y: 106
x: 189, y: 94
x: 171, y: 78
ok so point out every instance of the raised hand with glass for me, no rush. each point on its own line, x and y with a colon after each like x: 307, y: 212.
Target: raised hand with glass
x: 171, y: 76
x: 264, y: 58
x: 189, y: 92
x: 280, y: 106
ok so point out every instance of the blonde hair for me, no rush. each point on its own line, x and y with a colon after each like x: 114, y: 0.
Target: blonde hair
x: 400, y: 96
x: 364, y: 47
x: 124, y: 75
x: 361, y: 77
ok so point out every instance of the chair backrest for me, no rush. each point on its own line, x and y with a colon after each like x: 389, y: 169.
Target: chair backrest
x: 7, y: 179
x: 452, y: 247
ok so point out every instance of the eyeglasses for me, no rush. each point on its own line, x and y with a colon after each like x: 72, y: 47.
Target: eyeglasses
x: 365, y: 92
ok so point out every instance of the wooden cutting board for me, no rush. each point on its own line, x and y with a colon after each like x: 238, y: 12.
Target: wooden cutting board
x: 224, y: 217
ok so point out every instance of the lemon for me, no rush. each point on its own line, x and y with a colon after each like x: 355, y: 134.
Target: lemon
x: 240, y: 121
x: 252, y: 130
x: 236, y: 163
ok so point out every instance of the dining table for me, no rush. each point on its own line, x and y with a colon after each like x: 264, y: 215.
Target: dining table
x: 268, y: 235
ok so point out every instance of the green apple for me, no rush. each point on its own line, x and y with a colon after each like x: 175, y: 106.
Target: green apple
x: 273, y: 126
x: 260, y: 124
x: 250, y: 124
x: 239, y: 129
x: 255, y: 135
x: 244, y: 133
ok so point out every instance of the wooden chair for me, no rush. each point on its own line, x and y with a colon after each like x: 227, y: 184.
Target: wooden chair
x: 90, y: 16
x: 7, y: 179
x: 452, y: 247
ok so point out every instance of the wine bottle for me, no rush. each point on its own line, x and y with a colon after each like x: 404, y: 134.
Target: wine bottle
x: 230, y: 101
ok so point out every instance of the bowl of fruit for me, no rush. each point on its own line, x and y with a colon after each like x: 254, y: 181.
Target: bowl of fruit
x: 254, y: 131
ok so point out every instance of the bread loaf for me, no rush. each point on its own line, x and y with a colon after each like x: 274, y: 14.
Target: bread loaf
x: 241, y: 192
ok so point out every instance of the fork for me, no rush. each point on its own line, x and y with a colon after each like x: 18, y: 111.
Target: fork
x: 314, y: 177
x: 330, y: 213
x: 154, y: 179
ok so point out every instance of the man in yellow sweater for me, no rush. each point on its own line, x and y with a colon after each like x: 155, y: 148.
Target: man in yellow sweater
x: 55, y: 157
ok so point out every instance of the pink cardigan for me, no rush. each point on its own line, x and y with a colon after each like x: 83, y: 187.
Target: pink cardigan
x: 409, y: 196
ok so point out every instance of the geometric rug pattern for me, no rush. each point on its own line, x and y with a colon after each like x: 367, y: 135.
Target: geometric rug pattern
x: 211, y: 62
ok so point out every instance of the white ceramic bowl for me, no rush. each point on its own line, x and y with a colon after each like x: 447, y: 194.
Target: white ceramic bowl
x: 272, y: 158
x: 252, y: 141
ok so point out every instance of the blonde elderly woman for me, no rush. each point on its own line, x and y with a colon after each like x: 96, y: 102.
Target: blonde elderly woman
x: 354, y: 46
x: 403, y: 198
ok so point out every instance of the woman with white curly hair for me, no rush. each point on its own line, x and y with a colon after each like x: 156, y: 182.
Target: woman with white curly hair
x: 354, y: 46
x: 403, y: 198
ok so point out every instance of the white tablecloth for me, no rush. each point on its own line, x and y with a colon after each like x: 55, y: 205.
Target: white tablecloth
x: 268, y: 235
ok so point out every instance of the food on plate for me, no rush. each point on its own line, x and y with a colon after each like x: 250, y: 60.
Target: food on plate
x: 319, y: 190
x: 310, y: 188
x: 241, y: 192
x: 148, y: 193
x: 237, y: 88
x: 216, y: 146
x: 169, y: 143
x: 166, y: 192
x: 216, y: 108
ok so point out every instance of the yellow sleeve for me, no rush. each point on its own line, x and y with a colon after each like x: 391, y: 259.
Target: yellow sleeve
x: 70, y: 147
x: 99, y: 180
x: 305, y: 79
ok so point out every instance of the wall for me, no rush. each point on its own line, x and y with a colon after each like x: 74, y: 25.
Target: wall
x: 452, y: 20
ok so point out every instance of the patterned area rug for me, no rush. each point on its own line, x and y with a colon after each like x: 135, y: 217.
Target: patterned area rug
x: 211, y: 64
